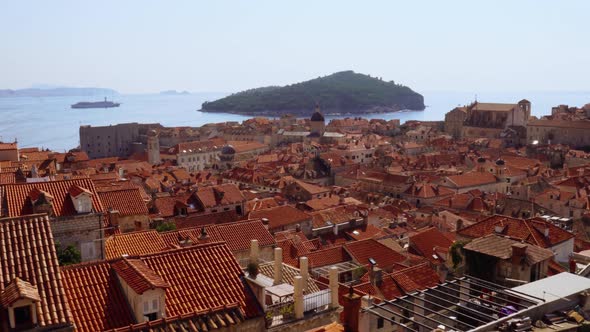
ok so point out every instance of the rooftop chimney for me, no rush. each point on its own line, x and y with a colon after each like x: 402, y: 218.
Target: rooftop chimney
x: 304, y: 270
x: 459, y: 224
x: 350, y: 314
x: 254, y: 251
x: 114, y: 216
x: 518, y: 253
x: 278, y: 268
x: 376, y: 276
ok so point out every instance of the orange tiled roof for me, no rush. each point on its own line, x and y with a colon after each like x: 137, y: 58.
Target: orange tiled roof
x: 195, y: 220
x: 133, y: 244
x: 367, y: 231
x: 28, y: 253
x: 471, y: 179
x: 237, y: 235
x: 127, y: 201
x: 193, y: 234
x: 528, y: 230
x: 18, y: 289
x: 138, y: 276
x: 362, y: 250
x: 97, y: 300
x: 329, y: 256
x: 202, y: 277
x: 426, y: 242
x: 220, y: 195
x: 18, y: 202
x: 280, y: 216
x: 416, y: 278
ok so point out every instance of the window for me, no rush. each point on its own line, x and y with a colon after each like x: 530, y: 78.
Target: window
x: 150, y: 317
x: 23, y: 318
x: 380, y: 322
x: 151, y: 307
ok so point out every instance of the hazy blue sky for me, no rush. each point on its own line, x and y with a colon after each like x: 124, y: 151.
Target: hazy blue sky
x: 148, y: 46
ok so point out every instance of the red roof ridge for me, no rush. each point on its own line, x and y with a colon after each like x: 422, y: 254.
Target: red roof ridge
x: 175, y: 250
x: 148, y: 279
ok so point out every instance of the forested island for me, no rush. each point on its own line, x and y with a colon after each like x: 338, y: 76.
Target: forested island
x: 344, y: 92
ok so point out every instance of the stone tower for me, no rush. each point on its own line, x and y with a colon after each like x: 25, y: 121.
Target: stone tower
x: 318, y: 123
x: 153, y: 147
x: 525, y: 106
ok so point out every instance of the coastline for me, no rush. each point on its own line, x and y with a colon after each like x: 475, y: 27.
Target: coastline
x: 307, y: 113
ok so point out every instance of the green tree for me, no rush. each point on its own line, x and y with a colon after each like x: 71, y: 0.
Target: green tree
x: 166, y: 226
x: 69, y: 255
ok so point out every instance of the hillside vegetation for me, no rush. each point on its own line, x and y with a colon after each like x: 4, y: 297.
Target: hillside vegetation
x: 343, y: 92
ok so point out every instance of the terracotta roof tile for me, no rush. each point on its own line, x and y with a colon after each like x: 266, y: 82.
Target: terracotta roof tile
x: 95, y: 296
x: 18, y: 202
x: 417, y: 277
x: 362, y: 250
x: 426, y: 242
x: 138, y: 276
x: 237, y: 235
x: 224, y: 194
x: 18, y: 289
x: 329, y: 256
x: 133, y: 244
x: 280, y: 216
x: 27, y: 252
x: 202, y: 277
x: 127, y: 201
x: 528, y: 230
x: 470, y: 179
x: 196, y: 220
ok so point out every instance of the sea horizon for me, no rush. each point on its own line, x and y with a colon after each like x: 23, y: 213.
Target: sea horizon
x: 49, y: 122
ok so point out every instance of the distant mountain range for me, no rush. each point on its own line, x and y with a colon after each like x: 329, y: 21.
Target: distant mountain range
x: 57, y: 92
x: 344, y: 92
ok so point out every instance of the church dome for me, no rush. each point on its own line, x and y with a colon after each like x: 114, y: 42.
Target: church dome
x: 228, y: 150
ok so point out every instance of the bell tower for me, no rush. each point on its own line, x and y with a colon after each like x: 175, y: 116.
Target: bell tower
x: 153, y: 147
x: 318, y: 122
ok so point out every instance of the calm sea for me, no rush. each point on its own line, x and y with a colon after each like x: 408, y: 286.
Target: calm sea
x: 51, y: 123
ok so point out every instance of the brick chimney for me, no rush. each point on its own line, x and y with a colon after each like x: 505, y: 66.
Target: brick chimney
x: 518, y: 253
x: 350, y: 314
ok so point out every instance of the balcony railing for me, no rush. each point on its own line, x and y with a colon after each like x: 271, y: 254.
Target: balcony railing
x: 284, y: 312
x: 280, y: 313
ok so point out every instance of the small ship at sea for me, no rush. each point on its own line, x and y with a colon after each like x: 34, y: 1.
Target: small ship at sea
x: 96, y: 104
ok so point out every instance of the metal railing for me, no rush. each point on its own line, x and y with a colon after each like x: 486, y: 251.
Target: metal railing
x: 317, y: 302
x: 280, y: 313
